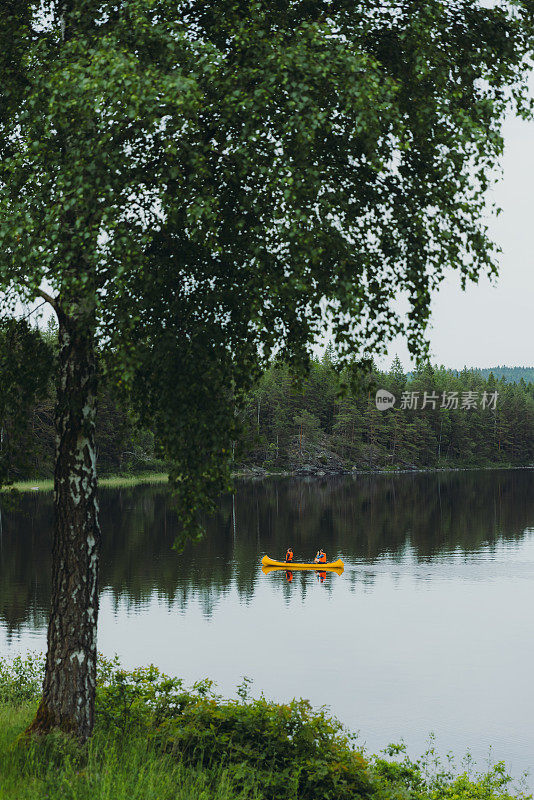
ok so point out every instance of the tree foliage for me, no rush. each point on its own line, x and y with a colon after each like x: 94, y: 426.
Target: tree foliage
x: 289, y: 424
x: 207, y: 183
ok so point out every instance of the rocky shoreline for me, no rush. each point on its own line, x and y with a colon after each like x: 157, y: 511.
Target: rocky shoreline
x: 321, y: 471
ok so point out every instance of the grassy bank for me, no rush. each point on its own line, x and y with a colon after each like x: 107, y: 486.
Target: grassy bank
x: 156, y: 740
x: 116, y: 481
x: 120, y: 481
x: 111, y: 768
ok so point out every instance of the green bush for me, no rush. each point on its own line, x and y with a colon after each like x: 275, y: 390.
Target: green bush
x: 21, y: 678
x: 152, y: 734
x: 292, y: 750
x: 140, y: 699
x: 427, y: 778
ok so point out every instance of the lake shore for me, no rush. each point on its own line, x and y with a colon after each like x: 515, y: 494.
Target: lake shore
x: 111, y: 481
x: 258, y: 473
x: 314, y: 471
x: 416, y: 548
x: 156, y: 739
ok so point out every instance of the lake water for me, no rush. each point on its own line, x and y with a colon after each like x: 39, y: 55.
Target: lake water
x: 429, y: 628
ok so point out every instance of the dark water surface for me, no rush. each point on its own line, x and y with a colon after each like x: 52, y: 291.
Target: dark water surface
x: 430, y: 628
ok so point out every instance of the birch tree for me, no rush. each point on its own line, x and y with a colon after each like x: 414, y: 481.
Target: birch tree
x: 193, y: 184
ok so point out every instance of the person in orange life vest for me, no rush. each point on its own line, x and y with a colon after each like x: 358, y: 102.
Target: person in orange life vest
x: 289, y: 575
x: 320, y: 558
x: 321, y: 576
x: 289, y: 554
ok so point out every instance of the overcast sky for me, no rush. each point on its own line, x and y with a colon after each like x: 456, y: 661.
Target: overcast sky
x: 489, y: 324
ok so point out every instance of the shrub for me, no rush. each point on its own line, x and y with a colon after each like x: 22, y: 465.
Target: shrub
x: 256, y: 748
x: 139, y: 699
x: 21, y: 678
x: 292, y: 750
x: 427, y: 778
x: 297, y: 753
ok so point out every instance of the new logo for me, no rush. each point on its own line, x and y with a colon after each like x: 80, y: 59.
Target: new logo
x: 384, y: 400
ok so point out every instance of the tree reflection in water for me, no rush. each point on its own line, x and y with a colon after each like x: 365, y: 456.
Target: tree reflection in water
x: 361, y: 519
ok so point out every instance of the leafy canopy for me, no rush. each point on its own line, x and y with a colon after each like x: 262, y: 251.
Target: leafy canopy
x: 210, y: 182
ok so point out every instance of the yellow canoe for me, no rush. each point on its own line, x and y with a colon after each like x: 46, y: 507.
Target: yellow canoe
x: 268, y: 570
x: 337, y: 566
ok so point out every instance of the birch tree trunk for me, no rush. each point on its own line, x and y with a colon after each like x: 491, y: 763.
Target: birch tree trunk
x: 70, y: 675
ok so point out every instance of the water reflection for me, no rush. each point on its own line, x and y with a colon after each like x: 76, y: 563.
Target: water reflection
x: 430, y: 626
x: 417, y: 519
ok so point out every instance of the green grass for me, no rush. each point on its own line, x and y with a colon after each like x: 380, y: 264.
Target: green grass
x: 132, y: 480
x: 109, y: 768
x: 156, y: 740
x: 116, y: 481
x: 131, y: 767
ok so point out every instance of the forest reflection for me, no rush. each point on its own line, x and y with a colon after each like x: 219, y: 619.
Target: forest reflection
x: 361, y: 519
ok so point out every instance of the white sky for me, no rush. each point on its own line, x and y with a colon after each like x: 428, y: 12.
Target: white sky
x: 490, y: 325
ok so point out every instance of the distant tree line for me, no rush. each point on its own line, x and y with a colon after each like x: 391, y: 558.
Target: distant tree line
x: 510, y: 374
x: 441, y: 418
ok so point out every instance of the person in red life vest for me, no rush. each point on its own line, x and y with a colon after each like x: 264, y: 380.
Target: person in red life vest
x: 289, y: 575
x: 320, y: 558
x: 289, y: 554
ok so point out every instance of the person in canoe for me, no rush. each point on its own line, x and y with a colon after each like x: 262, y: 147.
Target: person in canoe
x: 289, y: 555
x: 320, y: 558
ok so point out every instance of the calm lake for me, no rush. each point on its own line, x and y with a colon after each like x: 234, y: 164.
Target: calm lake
x: 430, y: 627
